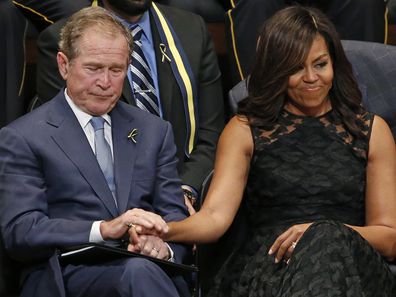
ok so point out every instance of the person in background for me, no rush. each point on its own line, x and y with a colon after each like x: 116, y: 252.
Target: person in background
x: 13, y: 31
x: 85, y: 168
x: 184, y: 86
x: 19, y: 31
x: 318, y: 171
x: 44, y: 13
x: 354, y: 19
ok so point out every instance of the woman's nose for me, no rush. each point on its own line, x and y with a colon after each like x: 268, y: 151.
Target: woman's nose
x: 310, y: 75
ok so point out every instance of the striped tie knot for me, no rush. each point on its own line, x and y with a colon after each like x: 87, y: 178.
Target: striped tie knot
x: 137, y: 33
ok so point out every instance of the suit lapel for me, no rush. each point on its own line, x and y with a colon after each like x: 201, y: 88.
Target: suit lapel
x: 72, y: 141
x: 124, y: 154
x: 166, y: 82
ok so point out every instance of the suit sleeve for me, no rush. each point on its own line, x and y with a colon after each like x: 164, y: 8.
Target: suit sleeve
x: 211, y: 114
x: 28, y: 232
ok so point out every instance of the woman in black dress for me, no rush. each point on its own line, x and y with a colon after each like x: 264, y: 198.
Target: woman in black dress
x: 319, y: 172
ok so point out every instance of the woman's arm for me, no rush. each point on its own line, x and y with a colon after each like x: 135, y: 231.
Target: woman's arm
x: 233, y: 157
x: 380, y: 229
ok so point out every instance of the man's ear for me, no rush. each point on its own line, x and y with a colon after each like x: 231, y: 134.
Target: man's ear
x: 63, y: 65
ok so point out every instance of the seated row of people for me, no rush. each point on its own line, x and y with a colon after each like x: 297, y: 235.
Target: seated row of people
x: 85, y: 167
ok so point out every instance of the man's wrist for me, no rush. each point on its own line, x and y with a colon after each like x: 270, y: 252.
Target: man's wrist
x: 95, y: 235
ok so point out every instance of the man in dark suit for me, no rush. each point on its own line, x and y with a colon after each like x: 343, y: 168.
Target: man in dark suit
x: 45, y: 13
x: 64, y: 181
x: 13, y: 29
x: 195, y: 110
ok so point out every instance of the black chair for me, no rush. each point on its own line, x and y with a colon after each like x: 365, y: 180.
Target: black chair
x: 9, y: 274
x: 210, y: 257
x: 374, y: 65
x: 391, y: 12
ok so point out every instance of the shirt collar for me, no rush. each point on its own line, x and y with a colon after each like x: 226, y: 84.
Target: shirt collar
x: 144, y: 23
x: 83, y: 117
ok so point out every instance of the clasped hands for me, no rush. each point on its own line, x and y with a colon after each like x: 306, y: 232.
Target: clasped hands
x: 133, y: 222
x: 144, y: 230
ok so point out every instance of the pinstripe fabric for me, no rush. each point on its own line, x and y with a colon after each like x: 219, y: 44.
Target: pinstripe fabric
x: 143, y: 85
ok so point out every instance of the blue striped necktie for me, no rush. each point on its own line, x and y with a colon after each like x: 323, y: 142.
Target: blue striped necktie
x: 103, y: 153
x: 143, y: 84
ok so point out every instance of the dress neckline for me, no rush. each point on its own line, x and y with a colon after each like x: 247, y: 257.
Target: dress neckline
x: 307, y: 116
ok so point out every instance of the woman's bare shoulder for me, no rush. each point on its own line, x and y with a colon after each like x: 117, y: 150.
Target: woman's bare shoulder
x: 237, y: 135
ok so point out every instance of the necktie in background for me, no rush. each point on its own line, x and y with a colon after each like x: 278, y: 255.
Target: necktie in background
x: 103, y: 153
x: 143, y: 85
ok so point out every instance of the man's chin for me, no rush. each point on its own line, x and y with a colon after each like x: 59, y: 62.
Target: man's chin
x: 103, y: 97
x: 100, y: 106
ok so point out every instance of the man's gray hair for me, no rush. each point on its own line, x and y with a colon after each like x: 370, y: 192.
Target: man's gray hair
x: 91, y: 17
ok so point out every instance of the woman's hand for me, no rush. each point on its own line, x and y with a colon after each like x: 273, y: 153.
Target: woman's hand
x: 285, y: 244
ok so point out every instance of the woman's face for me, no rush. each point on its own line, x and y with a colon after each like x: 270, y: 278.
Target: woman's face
x: 308, y: 88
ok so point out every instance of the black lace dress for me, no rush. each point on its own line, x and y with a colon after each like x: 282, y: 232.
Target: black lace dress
x: 307, y: 169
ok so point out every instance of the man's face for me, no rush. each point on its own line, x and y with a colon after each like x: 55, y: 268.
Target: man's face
x: 94, y: 78
x: 128, y: 7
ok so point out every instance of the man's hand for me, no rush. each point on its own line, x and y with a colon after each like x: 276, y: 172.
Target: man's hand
x: 132, y: 222
x: 151, y: 245
x: 284, y: 245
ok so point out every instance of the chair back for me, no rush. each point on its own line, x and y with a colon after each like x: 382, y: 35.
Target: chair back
x: 212, y: 256
x: 374, y: 65
x: 9, y: 274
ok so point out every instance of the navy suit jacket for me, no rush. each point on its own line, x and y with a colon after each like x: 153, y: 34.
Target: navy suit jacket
x: 52, y: 188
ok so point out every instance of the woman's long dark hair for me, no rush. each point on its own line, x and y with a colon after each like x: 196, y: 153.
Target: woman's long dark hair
x: 283, y: 45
